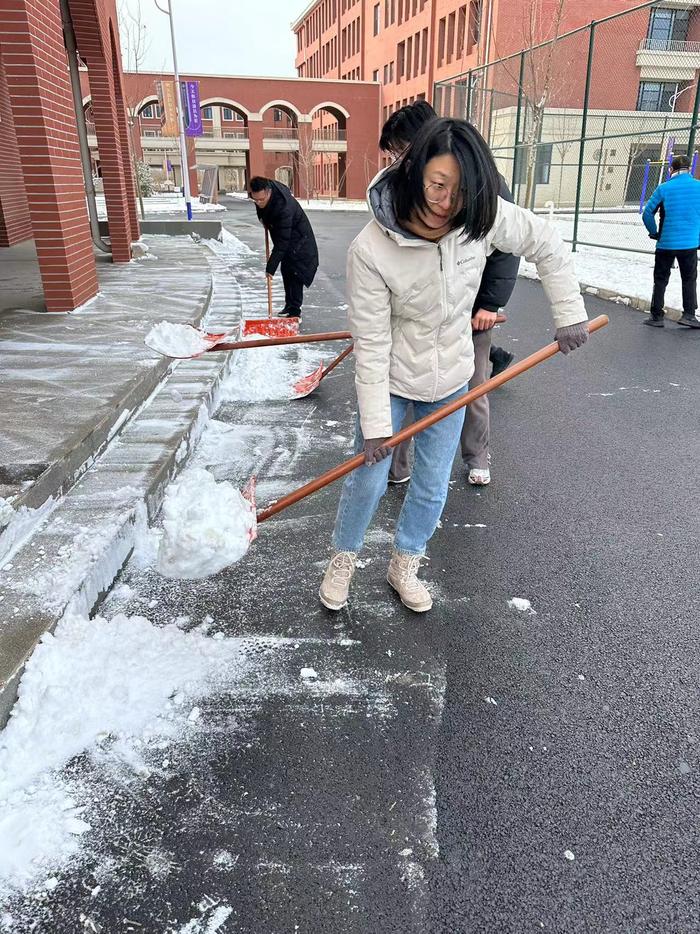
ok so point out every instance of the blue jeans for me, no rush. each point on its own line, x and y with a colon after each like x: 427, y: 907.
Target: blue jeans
x: 427, y: 490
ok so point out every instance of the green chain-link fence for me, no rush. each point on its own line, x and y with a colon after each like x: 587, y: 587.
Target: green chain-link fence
x: 583, y: 126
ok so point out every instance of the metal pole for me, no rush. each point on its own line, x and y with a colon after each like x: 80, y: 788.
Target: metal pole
x: 180, y: 120
x: 469, y: 96
x: 647, y: 167
x: 694, y: 162
x: 600, y: 156
x: 584, y: 121
x: 518, y: 113
x: 694, y: 121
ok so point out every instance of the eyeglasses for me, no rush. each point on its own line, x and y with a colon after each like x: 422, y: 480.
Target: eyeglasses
x: 435, y: 193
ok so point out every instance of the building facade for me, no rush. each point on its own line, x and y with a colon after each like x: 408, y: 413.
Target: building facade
x: 409, y: 46
x: 318, y: 137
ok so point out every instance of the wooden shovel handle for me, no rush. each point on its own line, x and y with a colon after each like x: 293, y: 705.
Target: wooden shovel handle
x: 276, y: 341
x: 358, y: 460
x: 267, y: 278
x: 339, y: 359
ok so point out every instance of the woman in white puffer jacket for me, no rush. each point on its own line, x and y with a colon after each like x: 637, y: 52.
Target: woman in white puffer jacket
x: 413, y: 274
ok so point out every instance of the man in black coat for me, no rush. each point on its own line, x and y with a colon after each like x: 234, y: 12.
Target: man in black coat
x: 294, y: 244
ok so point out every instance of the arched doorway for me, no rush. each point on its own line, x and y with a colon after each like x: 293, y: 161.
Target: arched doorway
x: 224, y: 142
x: 330, y: 149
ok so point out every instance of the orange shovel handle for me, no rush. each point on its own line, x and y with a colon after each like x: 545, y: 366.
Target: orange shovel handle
x: 358, y: 460
x: 267, y: 278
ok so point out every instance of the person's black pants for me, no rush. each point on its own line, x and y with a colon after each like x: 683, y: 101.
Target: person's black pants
x: 293, y: 291
x: 688, y: 266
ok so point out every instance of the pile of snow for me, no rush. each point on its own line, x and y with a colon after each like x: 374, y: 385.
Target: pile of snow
x: 6, y: 511
x: 93, y: 684
x: 177, y: 340
x: 206, y: 526
x: 229, y: 245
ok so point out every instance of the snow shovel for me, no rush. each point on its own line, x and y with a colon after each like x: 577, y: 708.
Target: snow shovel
x: 270, y: 326
x: 335, y: 473
x: 207, y: 341
x: 305, y: 386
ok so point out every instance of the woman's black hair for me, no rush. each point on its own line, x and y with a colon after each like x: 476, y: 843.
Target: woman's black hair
x: 403, y: 124
x: 479, y: 182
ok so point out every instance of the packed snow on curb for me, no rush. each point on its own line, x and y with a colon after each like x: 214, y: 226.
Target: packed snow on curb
x: 176, y: 340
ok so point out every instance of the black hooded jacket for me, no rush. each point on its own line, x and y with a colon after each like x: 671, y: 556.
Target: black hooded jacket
x: 500, y: 272
x: 291, y: 233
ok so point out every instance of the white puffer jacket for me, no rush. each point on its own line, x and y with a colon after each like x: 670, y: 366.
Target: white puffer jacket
x: 410, y: 302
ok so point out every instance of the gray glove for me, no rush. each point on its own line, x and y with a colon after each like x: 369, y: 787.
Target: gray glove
x: 375, y: 450
x: 571, y: 337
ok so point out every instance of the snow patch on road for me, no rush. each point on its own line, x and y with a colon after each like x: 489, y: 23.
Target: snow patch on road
x: 91, y: 684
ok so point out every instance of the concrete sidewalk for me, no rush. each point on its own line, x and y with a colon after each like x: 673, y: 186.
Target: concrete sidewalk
x: 70, y: 380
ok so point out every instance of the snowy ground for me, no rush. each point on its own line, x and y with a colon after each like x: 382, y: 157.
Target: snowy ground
x: 82, y: 696
x: 629, y: 275
x: 317, y: 204
x: 165, y: 204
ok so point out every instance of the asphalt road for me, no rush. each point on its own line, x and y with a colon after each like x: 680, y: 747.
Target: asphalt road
x: 477, y: 769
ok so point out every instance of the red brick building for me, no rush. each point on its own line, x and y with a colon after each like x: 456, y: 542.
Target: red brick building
x: 319, y: 137
x: 42, y: 188
x: 409, y: 45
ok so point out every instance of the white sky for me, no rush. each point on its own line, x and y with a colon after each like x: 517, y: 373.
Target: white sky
x: 233, y: 37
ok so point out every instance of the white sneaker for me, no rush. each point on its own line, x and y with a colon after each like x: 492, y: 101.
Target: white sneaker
x: 478, y: 477
x: 336, y: 582
x: 402, y: 575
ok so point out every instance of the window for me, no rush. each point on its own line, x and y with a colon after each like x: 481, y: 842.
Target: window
x: 377, y: 17
x: 409, y: 52
x: 451, y: 36
x: 543, y: 164
x: 207, y: 113
x: 441, y: 41
x: 227, y: 113
x: 375, y: 75
x: 424, y: 53
x: 151, y: 111
x: 400, y: 60
x: 461, y: 30
x: 277, y: 115
x: 474, y: 24
x: 667, y: 26
x: 657, y: 95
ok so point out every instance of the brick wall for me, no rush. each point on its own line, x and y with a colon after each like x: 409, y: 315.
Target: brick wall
x: 15, y: 223
x: 34, y: 61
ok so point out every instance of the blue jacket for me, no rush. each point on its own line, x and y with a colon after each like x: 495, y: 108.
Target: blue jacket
x: 678, y: 204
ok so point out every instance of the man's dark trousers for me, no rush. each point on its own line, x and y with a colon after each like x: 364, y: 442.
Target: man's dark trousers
x: 688, y: 266
x: 293, y: 290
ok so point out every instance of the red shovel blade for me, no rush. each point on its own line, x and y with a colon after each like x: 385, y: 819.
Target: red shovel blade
x: 306, y: 385
x: 248, y: 492
x: 271, y: 327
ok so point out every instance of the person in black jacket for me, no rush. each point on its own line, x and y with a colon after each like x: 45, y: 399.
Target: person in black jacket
x: 497, y: 284
x: 294, y: 245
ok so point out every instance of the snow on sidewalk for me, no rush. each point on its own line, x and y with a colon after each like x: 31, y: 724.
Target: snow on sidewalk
x: 165, y: 204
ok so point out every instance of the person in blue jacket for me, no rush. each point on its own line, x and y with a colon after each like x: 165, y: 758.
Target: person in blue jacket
x: 677, y: 236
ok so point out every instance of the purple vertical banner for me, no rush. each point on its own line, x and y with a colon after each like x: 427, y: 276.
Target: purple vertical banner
x: 189, y: 92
